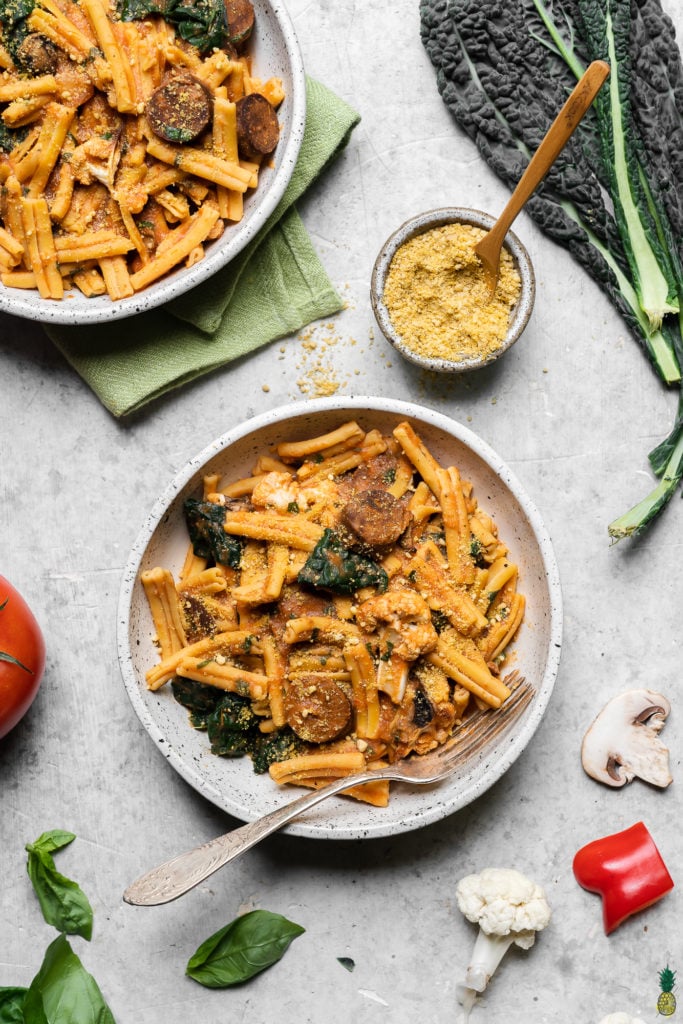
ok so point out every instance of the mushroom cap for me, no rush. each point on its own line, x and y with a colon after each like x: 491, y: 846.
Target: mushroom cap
x: 623, y: 741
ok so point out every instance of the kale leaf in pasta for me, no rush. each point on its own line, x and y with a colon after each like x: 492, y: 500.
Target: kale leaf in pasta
x: 332, y: 566
x: 209, y: 540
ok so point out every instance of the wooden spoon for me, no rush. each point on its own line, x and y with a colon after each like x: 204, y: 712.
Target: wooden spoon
x: 557, y: 136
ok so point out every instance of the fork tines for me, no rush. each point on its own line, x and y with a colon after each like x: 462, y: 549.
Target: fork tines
x: 487, y: 725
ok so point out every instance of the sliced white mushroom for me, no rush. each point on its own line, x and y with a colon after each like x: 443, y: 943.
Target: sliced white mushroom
x: 623, y: 742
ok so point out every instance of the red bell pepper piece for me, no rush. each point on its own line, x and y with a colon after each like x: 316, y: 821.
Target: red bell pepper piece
x: 626, y: 869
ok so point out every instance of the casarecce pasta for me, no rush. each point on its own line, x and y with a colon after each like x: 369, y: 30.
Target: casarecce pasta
x: 346, y: 604
x: 124, y: 148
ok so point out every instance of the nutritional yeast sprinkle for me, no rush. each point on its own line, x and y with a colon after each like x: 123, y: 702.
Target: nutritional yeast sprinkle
x: 438, y: 298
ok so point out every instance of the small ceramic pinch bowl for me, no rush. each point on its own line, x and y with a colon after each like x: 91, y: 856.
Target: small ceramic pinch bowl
x: 520, y: 313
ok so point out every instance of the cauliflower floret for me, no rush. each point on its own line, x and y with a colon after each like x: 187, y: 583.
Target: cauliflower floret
x: 509, y: 908
x: 501, y: 900
x: 276, y: 489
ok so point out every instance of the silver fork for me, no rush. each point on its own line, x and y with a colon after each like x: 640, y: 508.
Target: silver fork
x: 180, y: 874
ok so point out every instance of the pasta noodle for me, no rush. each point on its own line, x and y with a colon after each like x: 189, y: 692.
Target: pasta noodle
x: 126, y: 206
x: 336, y: 620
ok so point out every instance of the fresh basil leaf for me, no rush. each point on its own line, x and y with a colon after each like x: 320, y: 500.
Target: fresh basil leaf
x: 12, y: 1005
x: 63, y: 992
x: 62, y: 901
x: 346, y: 962
x: 242, y: 949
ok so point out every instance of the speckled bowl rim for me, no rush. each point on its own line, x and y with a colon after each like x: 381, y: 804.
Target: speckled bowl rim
x: 361, y: 820
x: 76, y: 310
x: 435, y: 219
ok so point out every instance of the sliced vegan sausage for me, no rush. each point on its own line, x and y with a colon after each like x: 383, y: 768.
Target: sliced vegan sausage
x: 377, y: 517
x: 240, y: 14
x: 180, y: 109
x: 258, y: 130
x: 316, y: 709
x: 37, y: 55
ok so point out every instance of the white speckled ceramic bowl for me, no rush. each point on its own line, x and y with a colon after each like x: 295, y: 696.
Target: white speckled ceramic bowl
x: 275, y: 52
x: 231, y: 784
x: 426, y: 222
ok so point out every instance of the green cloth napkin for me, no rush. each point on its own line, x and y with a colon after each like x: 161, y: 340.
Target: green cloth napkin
x: 274, y: 287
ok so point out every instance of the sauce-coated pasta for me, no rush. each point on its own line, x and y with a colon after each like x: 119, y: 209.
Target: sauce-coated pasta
x: 345, y: 605
x: 122, y: 149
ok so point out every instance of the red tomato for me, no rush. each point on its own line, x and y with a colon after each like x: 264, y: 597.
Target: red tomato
x: 22, y: 656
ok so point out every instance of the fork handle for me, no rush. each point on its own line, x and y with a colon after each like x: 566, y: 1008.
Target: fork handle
x: 181, y: 873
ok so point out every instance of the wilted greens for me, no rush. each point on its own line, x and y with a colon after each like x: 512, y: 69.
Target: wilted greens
x: 232, y: 726
x: 13, y: 15
x: 203, y: 23
x: 332, y: 566
x: 209, y: 540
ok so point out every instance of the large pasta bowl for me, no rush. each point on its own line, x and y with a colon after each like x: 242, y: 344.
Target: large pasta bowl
x: 231, y: 784
x: 275, y: 52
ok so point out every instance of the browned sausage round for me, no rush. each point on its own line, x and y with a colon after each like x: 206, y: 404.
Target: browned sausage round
x: 240, y: 14
x: 37, y: 55
x: 377, y: 517
x: 316, y: 709
x: 180, y: 109
x: 258, y: 130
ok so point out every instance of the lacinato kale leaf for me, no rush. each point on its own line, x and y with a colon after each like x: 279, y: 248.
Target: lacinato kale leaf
x: 504, y: 71
x: 333, y: 566
x: 607, y: 31
x: 614, y: 197
x: 245, y: 947
x: 209, y: 540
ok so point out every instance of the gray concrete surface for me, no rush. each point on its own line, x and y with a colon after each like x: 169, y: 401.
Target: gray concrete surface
x: 573, y: 408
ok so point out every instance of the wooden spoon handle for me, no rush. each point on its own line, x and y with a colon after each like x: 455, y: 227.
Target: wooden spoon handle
x: 554, y: 141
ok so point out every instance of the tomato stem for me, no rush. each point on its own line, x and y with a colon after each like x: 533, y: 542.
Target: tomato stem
x: 4, y: 656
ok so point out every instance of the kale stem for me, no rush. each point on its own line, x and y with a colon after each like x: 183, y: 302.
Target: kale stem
x: 566, y: 52
x: 634, y: 522
x: 658, y: 345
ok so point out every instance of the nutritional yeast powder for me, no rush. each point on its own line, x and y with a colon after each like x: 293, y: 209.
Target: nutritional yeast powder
x: 437, y: 295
